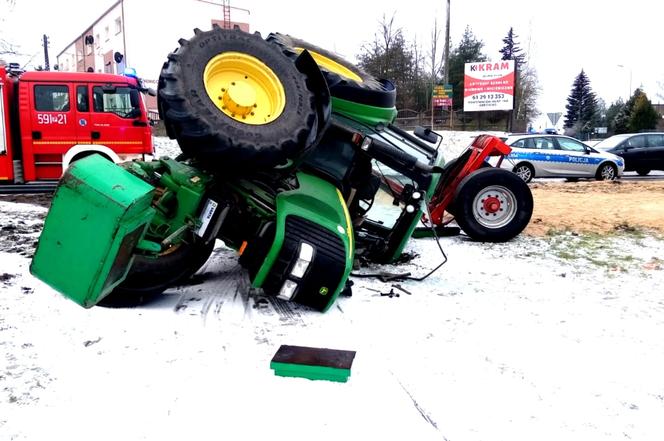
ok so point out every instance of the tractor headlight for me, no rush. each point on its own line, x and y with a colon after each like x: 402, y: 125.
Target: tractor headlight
x: 305, y: 257
x: 287, y: 290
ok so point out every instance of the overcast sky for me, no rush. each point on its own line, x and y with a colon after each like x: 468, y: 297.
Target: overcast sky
x: 563, y: 36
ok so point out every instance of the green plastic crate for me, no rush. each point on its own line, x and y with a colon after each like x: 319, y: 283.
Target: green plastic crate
x: 98, y: 215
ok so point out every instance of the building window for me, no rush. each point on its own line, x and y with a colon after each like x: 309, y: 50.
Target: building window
x: 97, y: 40
x: 52, y: 98
x: 106, y: 33
x: 118, y: 26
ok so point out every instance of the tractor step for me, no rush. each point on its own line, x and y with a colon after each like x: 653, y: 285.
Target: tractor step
x: 312, y: 363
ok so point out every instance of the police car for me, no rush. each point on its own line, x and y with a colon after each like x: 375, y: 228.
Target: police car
x: 557, y: 156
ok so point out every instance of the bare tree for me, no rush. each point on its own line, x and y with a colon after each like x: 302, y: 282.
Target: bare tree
x: 660, y: 91
x: 435, y: 62
x: 7, y: 47
x: 380, y: 49
x: 528, y: 89
x: 417, y: 70
x: 388, y: 34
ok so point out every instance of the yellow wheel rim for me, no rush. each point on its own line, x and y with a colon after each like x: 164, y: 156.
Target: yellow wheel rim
x: 331, y: 66
x: 244, y: 88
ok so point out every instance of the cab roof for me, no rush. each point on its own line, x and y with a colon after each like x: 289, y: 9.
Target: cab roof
x: 79, y: 77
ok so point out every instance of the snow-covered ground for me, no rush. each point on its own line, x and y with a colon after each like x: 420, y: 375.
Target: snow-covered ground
x: 557, y: 338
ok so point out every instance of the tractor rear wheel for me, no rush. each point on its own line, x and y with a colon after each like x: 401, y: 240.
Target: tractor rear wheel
x: 493, y: 205
x: 344, y: 79
x: 237, y: 103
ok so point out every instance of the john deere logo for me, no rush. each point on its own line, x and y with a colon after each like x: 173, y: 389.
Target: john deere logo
x: 323, y: 291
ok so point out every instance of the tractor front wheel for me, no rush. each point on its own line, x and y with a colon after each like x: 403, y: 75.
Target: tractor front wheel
x: 493, y: 205
x: 149, y: 276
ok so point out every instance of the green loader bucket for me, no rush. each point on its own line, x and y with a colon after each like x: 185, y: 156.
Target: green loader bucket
x: 98, y: 215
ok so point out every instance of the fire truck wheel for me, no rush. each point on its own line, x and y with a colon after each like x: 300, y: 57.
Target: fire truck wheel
x: 237, y: 103
x: 86, y: 154
x: 493, y: 205
x: 150, y: 276
x: 344, y: 79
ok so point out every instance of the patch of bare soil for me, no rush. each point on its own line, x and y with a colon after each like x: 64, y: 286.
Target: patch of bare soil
x: 42, y: 199
x: 597, y: 207
x: 19, y: 230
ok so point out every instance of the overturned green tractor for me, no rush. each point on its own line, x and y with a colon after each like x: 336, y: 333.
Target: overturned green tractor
x: 285, y: 149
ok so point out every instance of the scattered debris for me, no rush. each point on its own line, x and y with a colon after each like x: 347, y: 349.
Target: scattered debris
x: 260, y: 302
x: 390, y: 294
x: 654, y: 264
x: 6, y: 277
x: 401, y: 288
x: 87, y: 343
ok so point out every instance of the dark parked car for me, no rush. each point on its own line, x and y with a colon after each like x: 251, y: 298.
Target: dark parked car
x: 642, y: 152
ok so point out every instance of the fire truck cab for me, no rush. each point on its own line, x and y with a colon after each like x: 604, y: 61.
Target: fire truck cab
x: 49, y: 119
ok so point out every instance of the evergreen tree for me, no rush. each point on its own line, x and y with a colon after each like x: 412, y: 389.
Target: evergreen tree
x: 621, y: 121
x: 526, y: 89
x: 511, y: 49
x: 636, y: 114
x: 643, y: 115
x: 581, y: 106
x: 469, y: 50
x: 611, y: 115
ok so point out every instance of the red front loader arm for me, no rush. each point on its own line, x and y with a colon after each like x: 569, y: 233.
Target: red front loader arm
x: 472, y: 159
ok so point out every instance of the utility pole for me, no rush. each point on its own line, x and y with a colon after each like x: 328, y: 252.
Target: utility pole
x: 446, y: 68
x: 446, y: 57
x: 47, y: 66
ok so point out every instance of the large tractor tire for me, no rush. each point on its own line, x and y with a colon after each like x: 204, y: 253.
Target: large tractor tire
x: 493, y: 205
x: 237, y: 103
x: 149, y: 276
x: 345, y: 80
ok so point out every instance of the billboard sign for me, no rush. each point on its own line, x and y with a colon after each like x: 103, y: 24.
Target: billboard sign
x: 488, y: 86
x: 442, y: 95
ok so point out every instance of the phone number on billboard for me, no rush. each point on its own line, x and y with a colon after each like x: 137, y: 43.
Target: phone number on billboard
x: 489, y: 96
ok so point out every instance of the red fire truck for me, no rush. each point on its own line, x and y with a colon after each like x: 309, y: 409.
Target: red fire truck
x: 49, y: 119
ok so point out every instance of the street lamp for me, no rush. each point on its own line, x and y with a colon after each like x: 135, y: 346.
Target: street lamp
x: 629, y: 92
